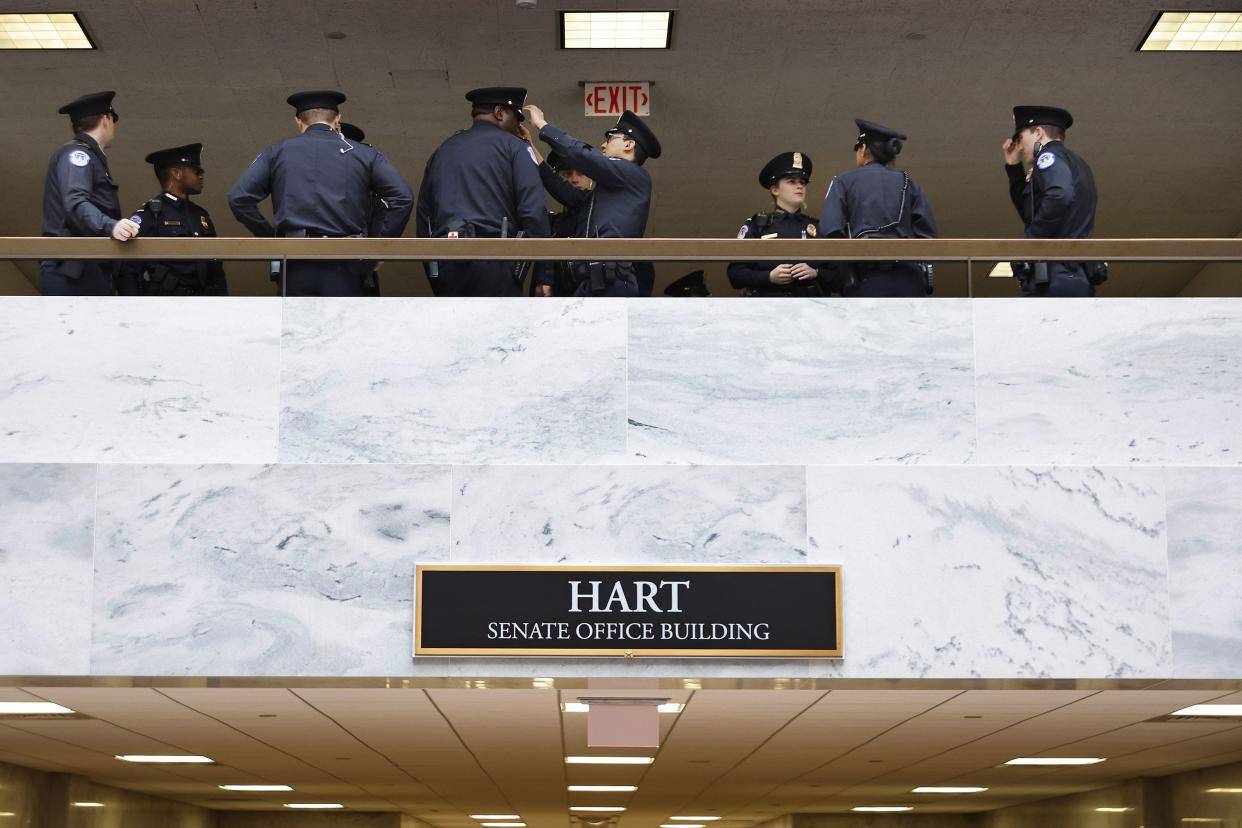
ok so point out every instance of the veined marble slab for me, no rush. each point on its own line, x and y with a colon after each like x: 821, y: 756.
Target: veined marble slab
x: 1205, y: 571
x: 47, y: 515
x: 629, y: 514
x: 885, y: 381
x: 262, y: 570
x: 999, y: 572
x: 453, y: 381
x: 1109, y: 381
x: 131, y: 380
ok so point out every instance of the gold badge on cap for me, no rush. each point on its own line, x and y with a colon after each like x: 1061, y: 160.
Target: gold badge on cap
x: 797, y: 161
x: 811, y: 231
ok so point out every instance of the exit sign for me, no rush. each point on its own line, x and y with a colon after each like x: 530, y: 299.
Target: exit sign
x: 611, y: 98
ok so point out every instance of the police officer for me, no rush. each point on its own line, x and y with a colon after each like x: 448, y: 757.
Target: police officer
x: 1054, y: 191
x: 80, y: 198
x: 321, y: 186
x: 370, y: 279
x: 572, y: 190
x: 785, y: 177
x: 483, y: 182
x: 619, y: 204
x: 875, y: 201
x: 171, y: 214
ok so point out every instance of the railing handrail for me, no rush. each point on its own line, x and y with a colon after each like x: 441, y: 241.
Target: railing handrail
x: 648, y: 249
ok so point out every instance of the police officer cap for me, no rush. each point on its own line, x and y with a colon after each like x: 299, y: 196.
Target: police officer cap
x: 190, y: 155
x: 692, y: 284
x: 318, y: 99
x: 513, y: 97
x: 868, y: 131
x: 96, y: 103
x: 640, y: 133
x: 786, y: 165
x: 353, y: 133
x: 1029, y: 116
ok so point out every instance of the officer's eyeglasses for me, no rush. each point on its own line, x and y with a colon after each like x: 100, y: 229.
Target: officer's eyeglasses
x: 608, y: 136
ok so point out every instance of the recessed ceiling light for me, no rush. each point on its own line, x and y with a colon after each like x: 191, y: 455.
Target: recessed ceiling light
x: 882, y: 809
x: 948, y: 789
x: 1225, y: 790
x: 609, y: 760
x: 616, y: 29
x: 88, y: 804
x: 494, y: 816
x: 255, y: 788
x: 1184, y: 31
x: 580, y: 707
x: 596, y: 809
x: 1054, y: 760
x: 155, y: 759
x: 1209, y: 710
x: 605, y: 788
x: 32, y: 708
x: 314, y: 806
x: 25, y: 30
x: 1113, y: 810
x: 1003, y: 270
x: 698, y: 818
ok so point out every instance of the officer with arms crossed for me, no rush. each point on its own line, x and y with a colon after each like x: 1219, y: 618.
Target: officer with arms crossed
x: 1054, y: 192
x: 322, y: 186
x: 785, y: 177
x: 80, y: 198
x: 483, y: 182
x: 171, y: 214
x: 618, y: 206
x: 875, y: 201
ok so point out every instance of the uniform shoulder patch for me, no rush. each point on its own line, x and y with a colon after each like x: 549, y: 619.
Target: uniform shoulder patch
x: 79, y: 158
x: 743, y: 231
x: 531, y: 151
x: 203, y: 221
x: 811, y: 230
x: 1046, y: 160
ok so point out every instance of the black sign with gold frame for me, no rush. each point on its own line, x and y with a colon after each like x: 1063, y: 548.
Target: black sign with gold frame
x: 712, y: 611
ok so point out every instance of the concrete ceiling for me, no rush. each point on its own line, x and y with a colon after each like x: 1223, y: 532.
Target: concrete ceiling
x: 743, y: 81
x: 745, y: 755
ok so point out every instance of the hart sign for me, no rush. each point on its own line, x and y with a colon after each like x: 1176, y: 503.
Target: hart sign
x: 611, y: 98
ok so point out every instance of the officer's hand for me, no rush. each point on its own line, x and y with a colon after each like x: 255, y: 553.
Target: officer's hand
x: 124, y: 230
x: 803, y: 271
x: 543, y: 290
x: 1013, y: 151
x: 781, y: 274
x: 523, y: 133
x: 535, y: 115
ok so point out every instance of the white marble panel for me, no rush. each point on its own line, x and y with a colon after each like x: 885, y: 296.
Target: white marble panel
x: 47, y: 514
x: 1205, y: 571
x: 886, y: 381
x: 262, y: 570
x: 453, y: 381
x: 133, y: 380
x: 996, y: 572
x: 1109, y: 381
x: 629, y: 514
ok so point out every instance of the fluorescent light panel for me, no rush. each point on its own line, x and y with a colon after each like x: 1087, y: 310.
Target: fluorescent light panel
x: 1225, y: 790
x: 155, y: 759
x: 314, y: 806
x: 494, y: 816
x: 616, y: 30
x: 1182, y: 31
x: 255, y: 788
x: 580, y: 707
x: 1054, y: 760
x: 697, y: 818
x: 609, y: 760
x: 1209, y: 710
x: 947, y: 789
x: 22, y: 708
x: 1113, y: 810
x: 596, y: 809
x: 88, y: 804
x: 882, y: 809
x: 25, y: 30
x: 605, y: 788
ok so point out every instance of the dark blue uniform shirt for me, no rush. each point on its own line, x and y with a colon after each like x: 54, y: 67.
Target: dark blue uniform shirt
x: 1062, y: 189
x: 79, y: 196
x: 867, y: 201
x: 323, y: 185
x: 618, y: 206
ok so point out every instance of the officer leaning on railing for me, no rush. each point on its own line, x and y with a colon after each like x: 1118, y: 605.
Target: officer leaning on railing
x: 1054, y: 192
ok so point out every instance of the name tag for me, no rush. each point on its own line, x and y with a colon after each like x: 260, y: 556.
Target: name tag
x: 176, y: 223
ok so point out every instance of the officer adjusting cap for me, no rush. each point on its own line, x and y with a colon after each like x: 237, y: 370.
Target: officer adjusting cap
x: 559, y: 162
x: 353, y: 133
x: 869, y: 131
x: 317, y: 99
x: 190, y: 155
x: 510, y: 96
x: 633, y: 126
x: 785, y: 165
x: 1029, y: 116
x: 96, y: 103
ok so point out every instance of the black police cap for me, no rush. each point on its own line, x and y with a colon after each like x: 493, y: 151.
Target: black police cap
x: 869, y: 131
x: 785, y: 165
x: 353, y: 133
x: 692, y: 284
x: 190, y: 155
x: 96, y: 103
x: 317, y: 99
x: 1029, y: 116
x: 633, y: 126
x: 513, y: 97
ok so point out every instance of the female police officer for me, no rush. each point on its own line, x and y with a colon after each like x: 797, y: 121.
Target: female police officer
x: 874, y: 201
x: 785, y: 177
